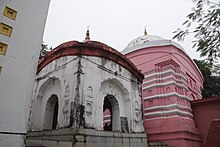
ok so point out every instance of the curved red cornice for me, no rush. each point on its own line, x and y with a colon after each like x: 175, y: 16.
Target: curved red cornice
x: 89, y: 48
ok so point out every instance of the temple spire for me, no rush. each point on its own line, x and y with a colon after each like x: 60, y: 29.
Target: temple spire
x: 87, y: 38
x: 145, y: 32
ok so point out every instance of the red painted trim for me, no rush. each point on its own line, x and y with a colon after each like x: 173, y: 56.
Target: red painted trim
x: 206, y: 100
x: 90, y: 48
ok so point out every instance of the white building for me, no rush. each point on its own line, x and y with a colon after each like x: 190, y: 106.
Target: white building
x: 21, y: 30
x: 77, y: 81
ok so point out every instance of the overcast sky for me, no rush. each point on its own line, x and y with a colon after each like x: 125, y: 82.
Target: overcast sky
x: 116, y: 22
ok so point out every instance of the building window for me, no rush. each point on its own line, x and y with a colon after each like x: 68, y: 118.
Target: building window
x: 10, y: 13
x: 5, y: 29
x: 3, y: 48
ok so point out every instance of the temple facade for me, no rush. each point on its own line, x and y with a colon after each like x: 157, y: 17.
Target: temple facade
x: 87, y: 92
x: 171, y: 82
x: 77, y: 83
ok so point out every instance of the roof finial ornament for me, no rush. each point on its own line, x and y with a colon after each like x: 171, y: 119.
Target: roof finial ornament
x: 145, y: 32
x: 87, y: 38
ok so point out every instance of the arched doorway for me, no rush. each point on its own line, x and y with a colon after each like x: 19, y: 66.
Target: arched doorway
x: 51, y: 113
x: 111, y: 105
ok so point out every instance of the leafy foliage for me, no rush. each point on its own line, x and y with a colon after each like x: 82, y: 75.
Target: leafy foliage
x: 211, y: 83
x: 216, y: 70
x: 206, y: 15
x: 44, y: 51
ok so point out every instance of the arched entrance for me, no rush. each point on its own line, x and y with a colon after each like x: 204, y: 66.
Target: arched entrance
x: 111, y: 104
x: 51, y: 113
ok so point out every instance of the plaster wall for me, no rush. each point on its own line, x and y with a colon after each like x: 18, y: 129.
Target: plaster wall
x: 145, y: 59
x: 87, y: 81
x: 19, y: 65
x: 85, y: 138
x: 205, y: 111
x: 56, y: 78
x: 112, y: 79
x: 171, y: 81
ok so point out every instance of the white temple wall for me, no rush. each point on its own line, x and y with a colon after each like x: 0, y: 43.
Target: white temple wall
x: 59, y: 70
x: 106, y: 77
x: 53, y: 88
x: 84, y: 83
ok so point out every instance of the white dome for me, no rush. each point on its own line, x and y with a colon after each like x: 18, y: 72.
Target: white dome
x: 143, y: 39
x: 147, y: 41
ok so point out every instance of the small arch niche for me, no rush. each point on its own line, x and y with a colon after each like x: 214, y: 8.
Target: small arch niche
x: 167, y: 89
x: 51, y: 113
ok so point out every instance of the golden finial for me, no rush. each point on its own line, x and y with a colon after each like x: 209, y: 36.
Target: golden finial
x: 87, y: 34
x: 145, y: 32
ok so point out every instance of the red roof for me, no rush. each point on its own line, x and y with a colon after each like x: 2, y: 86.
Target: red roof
x: 90, y: 48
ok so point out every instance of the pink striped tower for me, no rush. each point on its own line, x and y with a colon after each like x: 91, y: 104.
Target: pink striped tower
x: 106, y: 117
x: 171, y: 81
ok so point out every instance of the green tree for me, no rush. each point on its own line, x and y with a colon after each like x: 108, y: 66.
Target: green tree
x: 44, y: 51
x: 205, y: 16
x: 211, y: 83
x: 216, y: 70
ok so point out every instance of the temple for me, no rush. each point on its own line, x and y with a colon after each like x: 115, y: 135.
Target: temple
x: 76, y: 84
x: 86, y: 94
x: 171, y: 81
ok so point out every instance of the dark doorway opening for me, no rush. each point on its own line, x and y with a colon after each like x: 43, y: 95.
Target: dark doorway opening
x: 55, y: 114
x: 51, y: 113
x: 107, y: 115
x: 111, y: 114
